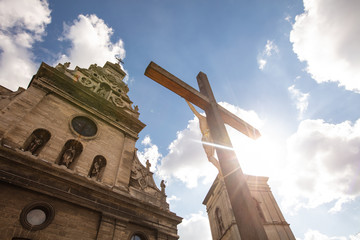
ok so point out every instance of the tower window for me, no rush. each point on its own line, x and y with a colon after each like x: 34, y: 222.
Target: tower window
x: 219, y: 220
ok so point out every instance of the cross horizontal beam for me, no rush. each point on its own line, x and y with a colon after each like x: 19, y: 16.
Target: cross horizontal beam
x: 163, y: 77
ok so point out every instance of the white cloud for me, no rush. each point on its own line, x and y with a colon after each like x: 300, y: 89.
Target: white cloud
x: 327, y: 37
x: 146, y: 141
x: 22, y: 23
x: 355, y: 237
x: 90, y: 42
x: 261, y: 63
x: 172, y: 198
x: 269, y: 49
x: 151, y: 153
x: 187, y: 161
x: 302, y: 99
x: 316, y: 235
x: 323, y: 165
x: 189, y: 228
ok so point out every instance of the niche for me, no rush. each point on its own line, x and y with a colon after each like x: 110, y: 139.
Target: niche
x: 97, y: 167
x: 36, y: 141
x: 70, y: 153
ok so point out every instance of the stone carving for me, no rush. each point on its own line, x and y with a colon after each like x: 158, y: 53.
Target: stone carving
x: 63, y: 67
x: 35, y: 144
x: 68, y: 156
x: 107, y: 82
x: 102, y: 91
x: 118, y: 101
x: 36, y: 141
x: 142, y: 179
x: 163, y: 186
x: 71, y: 151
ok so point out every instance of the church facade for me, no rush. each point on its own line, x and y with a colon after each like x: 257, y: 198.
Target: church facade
x: 221, y: 217
x: 68, y: 162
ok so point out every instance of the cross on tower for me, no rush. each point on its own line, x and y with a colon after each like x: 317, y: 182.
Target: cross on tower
x: 245, y: 212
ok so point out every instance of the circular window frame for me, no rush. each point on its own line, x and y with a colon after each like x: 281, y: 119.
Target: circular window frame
x: 43, y: 206
x: 78, y: 134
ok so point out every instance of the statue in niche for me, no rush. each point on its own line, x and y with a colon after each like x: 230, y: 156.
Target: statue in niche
x: 98, y: 164
x: 206, y: 137
x: 36, y: 141
x: 34, y: 145
x: 68, y: 156
x: 163, y: 186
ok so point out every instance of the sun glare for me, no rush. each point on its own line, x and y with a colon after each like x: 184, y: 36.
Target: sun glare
x: 261, y: 157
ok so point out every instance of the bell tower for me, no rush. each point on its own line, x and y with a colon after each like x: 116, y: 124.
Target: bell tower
x: 68, y: 155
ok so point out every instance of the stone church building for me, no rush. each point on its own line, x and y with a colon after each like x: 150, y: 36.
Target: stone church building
x: 68, y: 163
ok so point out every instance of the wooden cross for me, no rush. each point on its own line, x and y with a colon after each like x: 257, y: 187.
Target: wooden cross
x: 245, y: 212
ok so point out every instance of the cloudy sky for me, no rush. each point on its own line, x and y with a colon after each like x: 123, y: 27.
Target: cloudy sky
x: 289, y: 67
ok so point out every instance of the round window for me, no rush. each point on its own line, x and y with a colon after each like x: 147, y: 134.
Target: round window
x: 37, y: 216
x: 84, y: 126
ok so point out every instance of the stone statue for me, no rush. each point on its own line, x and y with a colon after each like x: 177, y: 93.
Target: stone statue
x: 34, y: 145
x: 163, y: 186
x: 206, y: 137
x: 148, y: 165
x: 136, y: 108
x: 66, y: 65
x: 63, y: 67
x: 98, y: 165
x: 68, y: 156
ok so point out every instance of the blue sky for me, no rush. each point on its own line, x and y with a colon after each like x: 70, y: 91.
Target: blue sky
x: 289, y: 67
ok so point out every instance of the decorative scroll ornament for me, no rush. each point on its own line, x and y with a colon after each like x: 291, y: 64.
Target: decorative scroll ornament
x: 141, y: 178
x: 107, y: 82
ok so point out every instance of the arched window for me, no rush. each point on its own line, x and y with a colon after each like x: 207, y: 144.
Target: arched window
x: 258, y: 207
x: 138, y: 236
x: 97, y: 167
x: 70, y: 152
x: 219, y: 220
x: 36, y: 141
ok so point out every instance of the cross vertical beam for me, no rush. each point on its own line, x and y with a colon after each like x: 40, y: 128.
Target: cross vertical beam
x: 245, y: 212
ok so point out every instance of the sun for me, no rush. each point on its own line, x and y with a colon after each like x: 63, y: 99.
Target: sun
x: 261, y: 157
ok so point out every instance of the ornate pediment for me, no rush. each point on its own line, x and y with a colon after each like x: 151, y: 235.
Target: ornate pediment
x: 142, y: 179
x: 107, y: 82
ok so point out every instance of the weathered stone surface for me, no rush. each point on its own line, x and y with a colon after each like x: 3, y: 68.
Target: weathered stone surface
x: 274, y: 223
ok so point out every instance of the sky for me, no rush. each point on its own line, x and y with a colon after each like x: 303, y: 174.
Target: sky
x: 289, y: 67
